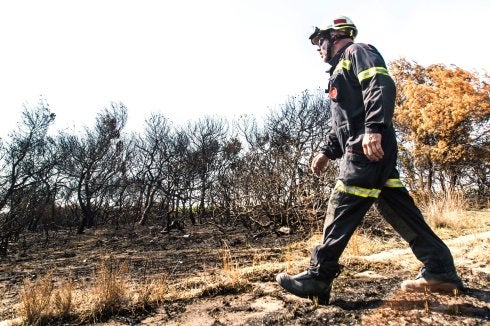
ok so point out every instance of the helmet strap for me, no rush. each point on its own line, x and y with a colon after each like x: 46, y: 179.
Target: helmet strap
x: 331, y: 41
x: 337, y: 37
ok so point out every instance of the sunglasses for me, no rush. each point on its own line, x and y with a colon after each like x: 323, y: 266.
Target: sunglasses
x: 321, y: 40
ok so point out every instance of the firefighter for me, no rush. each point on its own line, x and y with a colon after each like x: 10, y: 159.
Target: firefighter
x: 362, y: 99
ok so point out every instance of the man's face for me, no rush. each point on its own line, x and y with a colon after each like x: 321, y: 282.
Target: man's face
x: 323, y: 48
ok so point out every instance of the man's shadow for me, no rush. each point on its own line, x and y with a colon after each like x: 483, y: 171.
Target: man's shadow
x: 357, y: 305
x: 480, y: 294
x: 463, y: 309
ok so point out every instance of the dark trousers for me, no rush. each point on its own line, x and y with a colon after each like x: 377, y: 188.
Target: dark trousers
x: 346, y: 211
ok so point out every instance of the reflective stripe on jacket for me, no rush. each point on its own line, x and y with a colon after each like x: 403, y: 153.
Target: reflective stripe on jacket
x: 362, y: 99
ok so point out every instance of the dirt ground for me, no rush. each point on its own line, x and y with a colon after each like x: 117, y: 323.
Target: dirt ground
x: 366, y: 292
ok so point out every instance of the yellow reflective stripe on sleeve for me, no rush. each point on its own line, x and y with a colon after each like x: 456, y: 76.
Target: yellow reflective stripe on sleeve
x: 357, y: 191
x: 394, y: 183
x: 343, y: 64
x: 368, y: 73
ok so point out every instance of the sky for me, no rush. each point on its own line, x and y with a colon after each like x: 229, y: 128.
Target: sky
x: 187, y: 59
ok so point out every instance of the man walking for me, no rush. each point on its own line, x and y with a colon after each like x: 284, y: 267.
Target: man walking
x: 362, y: 99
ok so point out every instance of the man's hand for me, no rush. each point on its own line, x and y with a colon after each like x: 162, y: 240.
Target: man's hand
x: 371, y: 145
x: 318, y: 164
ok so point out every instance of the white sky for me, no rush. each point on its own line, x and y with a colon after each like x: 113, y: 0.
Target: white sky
x: 190, y: 58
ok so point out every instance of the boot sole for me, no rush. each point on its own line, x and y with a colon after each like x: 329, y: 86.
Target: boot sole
x: 443, y: 287
x: 322, y: 300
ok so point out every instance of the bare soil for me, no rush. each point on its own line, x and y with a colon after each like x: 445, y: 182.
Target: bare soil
x: 366, y: 292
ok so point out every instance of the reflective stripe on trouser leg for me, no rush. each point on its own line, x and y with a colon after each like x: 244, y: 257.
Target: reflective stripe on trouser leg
x: 344, y: 213
x: 340, y: 187
x: 357, y: 191
x: 394, y: 183
x: 367, y: 192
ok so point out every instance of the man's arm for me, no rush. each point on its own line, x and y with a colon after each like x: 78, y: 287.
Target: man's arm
x: 331, y: 150
x: 378, y: 92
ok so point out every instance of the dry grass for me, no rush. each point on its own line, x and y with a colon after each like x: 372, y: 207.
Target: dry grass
x: 149, y: 293
x: 109, y: 292
x: 112, y: 292
x: 41, y: 302
x: 63, y: 300
x: 35, y: 300
x: 446, y: 209
x: 230, y: 279
x: 209, y: 285
x: 355, y: 244
x: 363, y: 244
x: 229, y: 266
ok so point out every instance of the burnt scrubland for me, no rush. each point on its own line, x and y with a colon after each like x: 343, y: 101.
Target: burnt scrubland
x: 225, y: 276
x: 190, y: 224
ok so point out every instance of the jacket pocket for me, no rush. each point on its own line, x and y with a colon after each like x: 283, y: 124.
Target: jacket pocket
x: 357, y: 170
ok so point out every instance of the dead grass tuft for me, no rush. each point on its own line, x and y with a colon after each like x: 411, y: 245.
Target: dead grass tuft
x: 446, y: 209
x: 229, y: 280
x: 35, y: 299
x: 229, y: 265
x: 209, y: 285
x: 364, y: 244
x: 225, y: 285
x: 109, y: 293
x: 355, y: 244
x: 63, y: 300
x: 150, y: 293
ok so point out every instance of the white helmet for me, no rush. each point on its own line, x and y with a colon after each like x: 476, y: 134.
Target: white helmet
x: 340, y: 23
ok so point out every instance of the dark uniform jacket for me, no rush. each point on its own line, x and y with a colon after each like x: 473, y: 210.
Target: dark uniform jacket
x: 362, y: 97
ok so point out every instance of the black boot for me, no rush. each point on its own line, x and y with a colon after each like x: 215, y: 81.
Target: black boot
x: 305, y: 285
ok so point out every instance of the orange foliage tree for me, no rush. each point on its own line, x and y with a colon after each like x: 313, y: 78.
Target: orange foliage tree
x: 442, y: 115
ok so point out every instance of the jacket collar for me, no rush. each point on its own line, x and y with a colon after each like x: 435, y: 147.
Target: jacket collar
x: 336, y: 58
